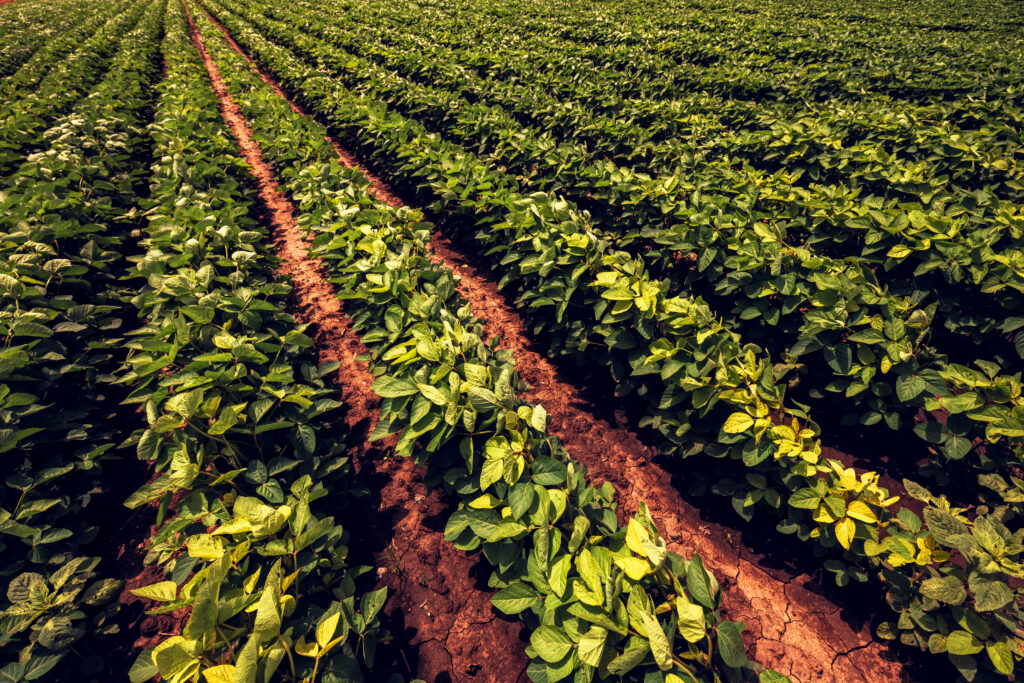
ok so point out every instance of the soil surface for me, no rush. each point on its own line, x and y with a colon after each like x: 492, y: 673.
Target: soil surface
x: 439, y: 610
x: 791, y: 627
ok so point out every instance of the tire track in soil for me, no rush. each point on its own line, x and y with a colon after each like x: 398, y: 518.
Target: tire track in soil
x: 790, y: 626
x: 446, y: 627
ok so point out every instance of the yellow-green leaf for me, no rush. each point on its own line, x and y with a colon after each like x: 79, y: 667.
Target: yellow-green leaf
x: 165, y: 591
x: 224, y: 673
x: 634, y: 567
x: 235, y: 526
x: 845, y: 529
x: 737, y: 423
x: 691, y: 621
x: 325, y: 629
x: 861, y: 512
x: 205, y: 547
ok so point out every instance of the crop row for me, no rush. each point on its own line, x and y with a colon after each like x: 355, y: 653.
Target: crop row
x: 589, y: 589
x: 885, y: 334
x: 82, y: 25
x: 67, y: 215
x: 968, y: 126
x: 590, y: 298
x: 713, y: 48
x: 871, y: 173
x: 873, y: 344
x: 30, y: 27
x: 483, y: 45
x: 67, y: 79
x: 240, y: 425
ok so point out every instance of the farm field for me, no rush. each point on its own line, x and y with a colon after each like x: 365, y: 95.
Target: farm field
x: 672, y: 342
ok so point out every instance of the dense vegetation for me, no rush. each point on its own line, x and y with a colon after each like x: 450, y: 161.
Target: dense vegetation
x: 771, y: 227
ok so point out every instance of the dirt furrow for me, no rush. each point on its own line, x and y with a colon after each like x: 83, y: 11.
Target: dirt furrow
x: 433, y: 587
x: 790, y: 626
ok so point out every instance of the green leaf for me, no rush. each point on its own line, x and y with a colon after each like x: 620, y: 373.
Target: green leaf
x: 27, y: 586
x: 248, y: 661
x: 551, y: 643
x: 25, y: 328
x: 947, y: 589
x: 144, y: 668
x: 909, y: 387
x: 548, y: 472
x: 943, y: 525
x: 989, y: 594
x: 691, y: 624
x: 148, y: 444
x: 203, y: 620
x: 40, y: 665
x: 186, y: 404
x: 963, y: 643
x: 539, y: 418
x: 326, y: 628
x: 591, y: 646
x: 730, y: 644
x: 1001, y: 657
x: 58, y: 633
x: 205, y: 547
x: 491, y: 472
x: 268, y: 615
x: 658, y: 641
x: 515, y: 598
x: 175, y: 655
x: 590, y: 571
x: 225, y: 421
x: 805, y: 498
x: 738, y: 423
x: 698, y: 583
x: 627, y: 661
x: 371, y: 603
x: 956, y: 447
x: 390, y: 387
x: 101, y: 592
x: 164, y: 591
x: 433, y: 394
x: 222, y: 673
x: 839, y: 358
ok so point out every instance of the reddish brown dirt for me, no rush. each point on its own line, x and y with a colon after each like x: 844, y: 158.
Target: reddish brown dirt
x: 447, y: 628
x: 790, y: 627
x: 6, y: 2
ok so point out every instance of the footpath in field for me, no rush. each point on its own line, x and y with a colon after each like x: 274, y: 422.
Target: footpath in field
x: 453, y: 628
x: 789, y: 627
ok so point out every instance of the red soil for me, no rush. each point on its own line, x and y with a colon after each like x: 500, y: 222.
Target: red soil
x: 790, y: 626
x: 449, y: 626
x: 6, y: 2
